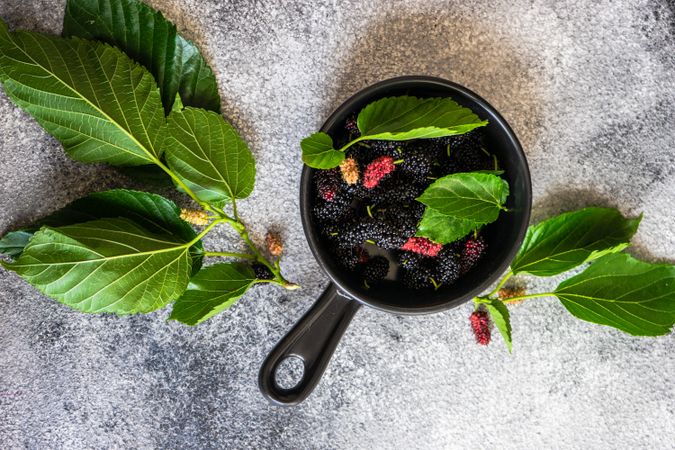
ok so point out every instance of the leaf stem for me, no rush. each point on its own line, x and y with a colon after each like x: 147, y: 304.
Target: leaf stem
x: 350, y: 143
x: 230, y: 255
x: 204, y: 232
x: 503, y: 281
x: 258, y: 256
x: 525, y: 297
x: 185, y: 188
x: 285, y: 284
x: 236, y: 224
x: 234, y: 209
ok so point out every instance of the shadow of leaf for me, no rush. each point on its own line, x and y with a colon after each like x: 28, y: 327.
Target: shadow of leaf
x: 467, y: 52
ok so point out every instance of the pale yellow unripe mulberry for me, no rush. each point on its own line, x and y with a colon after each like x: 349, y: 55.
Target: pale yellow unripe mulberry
x: 194, y: 216
x: 350, y: 171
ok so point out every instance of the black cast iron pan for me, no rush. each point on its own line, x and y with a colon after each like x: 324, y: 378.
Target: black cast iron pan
x: 314, y: 338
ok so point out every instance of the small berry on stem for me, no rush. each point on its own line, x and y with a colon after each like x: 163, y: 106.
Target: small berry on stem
x: 262, y: 272
x: 511, y: 292
x: 274, y: 244
x: 194, y: 216
x: 480, y: 324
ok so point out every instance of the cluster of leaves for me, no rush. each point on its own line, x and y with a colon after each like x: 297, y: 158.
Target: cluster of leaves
x: 616, y: 289
x: 122, y: 87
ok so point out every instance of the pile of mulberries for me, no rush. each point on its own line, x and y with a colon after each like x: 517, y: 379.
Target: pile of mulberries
x: 368, y: 202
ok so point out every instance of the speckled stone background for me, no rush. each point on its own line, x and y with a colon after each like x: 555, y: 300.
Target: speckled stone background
x: 588, y: 86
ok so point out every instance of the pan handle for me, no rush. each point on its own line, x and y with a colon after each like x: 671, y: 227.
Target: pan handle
x: 313, y: 339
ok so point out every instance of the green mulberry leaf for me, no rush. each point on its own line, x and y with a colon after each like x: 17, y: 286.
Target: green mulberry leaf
x: 93, y: 98
x: 318, y: 152
x: 477, y: 197
x: 625, y: 293
x: 395, y: 118
x: 211, y: 291
x: 501, y: 318
x: 149, y: 38
x: 444, y: 229
x: 151, y: 211
x: 209, y: 156
x: 106, y: 265
x: 13, y: 243
x: 563, y: 242
x: 405, y: 117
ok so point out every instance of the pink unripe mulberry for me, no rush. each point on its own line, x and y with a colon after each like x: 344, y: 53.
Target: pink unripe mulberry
x: 480, y: 324
x: 376, y: 170
x: 422, y: 245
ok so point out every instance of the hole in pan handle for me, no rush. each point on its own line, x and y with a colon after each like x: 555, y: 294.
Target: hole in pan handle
x: 313, y: 339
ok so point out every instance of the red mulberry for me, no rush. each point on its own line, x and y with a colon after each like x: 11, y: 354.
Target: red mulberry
x: 480, y: 324
x: 422, y: 246
x: 377, y: 170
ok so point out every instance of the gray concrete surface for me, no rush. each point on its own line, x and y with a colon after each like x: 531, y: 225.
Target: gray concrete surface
x: 588, y: 86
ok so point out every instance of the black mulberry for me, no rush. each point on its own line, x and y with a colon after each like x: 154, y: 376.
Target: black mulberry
x: 332, y: 211
x: 383, y: 234
x: 391, y: 148
x: 262, y: 272
x: 328, y: 184
x: 418, y: 162
x: 352, y: 127
x: 375, y: 269
x: 401, y: 189
x: 388, y: 235
x: 419, y: 275
x: 367, y: 151
x: 409, y: 260
x: 447, y: 266
x: 406, y: 216
x: 351, y: 258
x: 466, y: 153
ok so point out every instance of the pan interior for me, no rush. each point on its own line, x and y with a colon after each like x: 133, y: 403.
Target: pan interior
x: 503, y: 237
